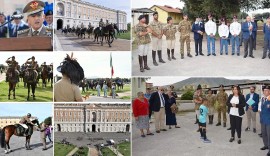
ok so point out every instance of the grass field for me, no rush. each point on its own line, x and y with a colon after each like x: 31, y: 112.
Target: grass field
x: 94, y: 92
x: 62, y: 150
x: 42, y: 94
x: 82, y: 152
x: 124, y: 148
x: 124, y: 36
x: 107, y: 152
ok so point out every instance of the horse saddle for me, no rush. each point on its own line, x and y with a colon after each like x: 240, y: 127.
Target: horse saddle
x: 20, y: 130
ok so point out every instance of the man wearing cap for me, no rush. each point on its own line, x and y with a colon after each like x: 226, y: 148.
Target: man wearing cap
x: 223, y: 31
x: 26, y: 120
x: 210, y: 30
x: 35, y: 18
x: 3, y: 29
x: 235, y: 30
x: 198, y: 29
x: 49, y: 19
x: 211, y: 105
x: 12, y: 66
x: 266, y: 45
x: 221, y: 98
x: 18, y: 25
x: 143, y: 40
x: 101, y: 24
x: 169, y: 31
x: 198, y: 100
x: 249, y: 28
x: 184, y: 28
x: 265, y: 119
x: 157, y: 33
x: 67, y: 89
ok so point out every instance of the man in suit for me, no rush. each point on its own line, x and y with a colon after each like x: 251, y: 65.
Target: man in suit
x: 249, y: 28
x: 157, y: 102
x: 198, y: 29
x: 251, y: 110
x: 266, y: 31
x: 17, y: 25
x: 35, y: 18
x: 3, y: 29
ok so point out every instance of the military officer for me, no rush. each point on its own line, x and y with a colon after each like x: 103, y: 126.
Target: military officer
x: 210, y: 30
x: 169, y: 31
x: 107, y: 23
x: 33, y: 64
x: 12, y: 64
x: 3, y: 29
x: 26, y: 120
x: 223, y: 31
x: 265, y: 119
x: 143, y: 40
x: 101, y: 23
x: 157, y: 34
x: 35, y: 18
x: 18, y: 25
x: 211, y: 105
x: 221, y: 98
x: 266, y: 31
x: 184, y: 28
x: 198, y: 100
x: 49, y: 19
x: 198, y: 29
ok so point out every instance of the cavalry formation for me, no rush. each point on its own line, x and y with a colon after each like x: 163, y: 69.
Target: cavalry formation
x: 29, y: 73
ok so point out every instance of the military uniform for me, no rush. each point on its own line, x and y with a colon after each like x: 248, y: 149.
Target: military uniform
x: 184, y: 28
x: 169, y: 31
x: 12, y: 66
x: 101, y: 24
x: 222, y: 98
x: 211, y: 107
x: 156, y: 27
x: 44, y: 31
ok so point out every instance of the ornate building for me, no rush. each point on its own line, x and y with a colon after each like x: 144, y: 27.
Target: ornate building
x: 75, y: 12
x: 92, y: 117
x: 11, y: 120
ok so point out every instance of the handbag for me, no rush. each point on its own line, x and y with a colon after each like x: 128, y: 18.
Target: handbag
x: 174, y: 108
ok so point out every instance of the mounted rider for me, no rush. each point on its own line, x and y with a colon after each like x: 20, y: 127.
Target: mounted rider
x: 24, y: 121
x: 32, y: 65
x: 89, y: 25
x: 12, y: 67
x: 101, y: 25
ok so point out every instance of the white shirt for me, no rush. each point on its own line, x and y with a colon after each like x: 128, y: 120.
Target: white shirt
x: 223, y: 30
x: 210, y: 27
x: 162, y: 104
x: 234, y: 110
x: 235, y: 28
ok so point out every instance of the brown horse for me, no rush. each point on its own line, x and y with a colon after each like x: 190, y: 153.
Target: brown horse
x: 30, y: 77
x: 44, y: 76
x: 12, y: 77
x: 17, y: 130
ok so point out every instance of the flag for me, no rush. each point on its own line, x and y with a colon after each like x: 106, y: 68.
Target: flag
x: 111, y: 65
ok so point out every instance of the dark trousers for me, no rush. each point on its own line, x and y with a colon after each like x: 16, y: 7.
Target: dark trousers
x: 150, y: 113
x: 266, y: 135
x: 198, y: 45
x: 255, y: 41
x: 248, y: 45
x: 236, y: 125
x: 266, y: 46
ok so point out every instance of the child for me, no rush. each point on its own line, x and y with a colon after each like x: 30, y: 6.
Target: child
x: 202, y: 120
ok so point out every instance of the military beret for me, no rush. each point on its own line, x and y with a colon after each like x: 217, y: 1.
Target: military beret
x: 49, y: 12
x: 34, y: 7
x: 266, y: 87
x: 169, y: 18
x: 141, y: 17
x: 199, y: 87
x: 13, y: 57
x: 221, y: 85
x: 155, y: 13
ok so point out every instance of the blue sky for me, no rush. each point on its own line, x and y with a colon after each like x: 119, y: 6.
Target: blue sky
x: 123, y: 5
x: 40, y: 110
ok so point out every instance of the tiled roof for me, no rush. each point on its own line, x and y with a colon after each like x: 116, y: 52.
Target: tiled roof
x: 168, y: 8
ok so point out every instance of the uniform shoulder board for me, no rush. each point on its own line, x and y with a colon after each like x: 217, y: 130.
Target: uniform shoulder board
x: 23, y: 31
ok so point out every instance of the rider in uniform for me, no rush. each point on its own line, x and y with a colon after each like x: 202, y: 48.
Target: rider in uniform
x: 12, y: 66
x: 101, y: 24
x: 32, y: 65
x: 26, y: 120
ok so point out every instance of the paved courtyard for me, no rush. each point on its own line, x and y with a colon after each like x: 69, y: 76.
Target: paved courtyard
x: 225, y: 65
x: 185, y: 141
x: 17, y: 145
x: 71, y: 42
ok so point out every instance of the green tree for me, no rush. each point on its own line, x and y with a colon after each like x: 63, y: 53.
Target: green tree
x: 48, y: 121
x: 188, y: 95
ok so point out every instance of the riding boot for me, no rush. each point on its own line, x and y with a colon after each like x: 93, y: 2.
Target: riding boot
x: 209, y: 119
x: 141, y: 63
x: 168, y: 53
x: 145, y: 63
x: 160, y: 57
x: 6, y: 78
x: 173, y: 54
x: 212, y: 118
x: 154, y: 58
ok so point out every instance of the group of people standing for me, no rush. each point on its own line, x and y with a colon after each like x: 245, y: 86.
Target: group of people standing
x: 247, y: 31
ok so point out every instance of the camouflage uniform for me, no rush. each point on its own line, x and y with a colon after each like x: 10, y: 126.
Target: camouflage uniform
x: 169, y: 31
x: 101, y: 24
x: 222, y: 98
x: 184, y: 28
x: 197, y: 105
x: 211, y: 103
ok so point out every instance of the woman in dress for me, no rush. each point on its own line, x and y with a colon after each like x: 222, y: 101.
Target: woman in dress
x: 170, y: 115
x: 141, y: 113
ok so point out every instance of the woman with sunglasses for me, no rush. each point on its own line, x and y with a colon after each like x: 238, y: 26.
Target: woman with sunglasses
x: 236, y: 103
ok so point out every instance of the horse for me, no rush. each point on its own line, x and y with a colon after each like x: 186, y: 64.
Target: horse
x: 12, y: 76
x: 83, y: 84
x: 44, y: 75
x: 50, y: 76
x: 31, y: 80
x: 89, y: 31
x: 106, y: 32
x: 117, y: 30
x: 120, y: 84
x: 81, y: 33
x: 17, y: 130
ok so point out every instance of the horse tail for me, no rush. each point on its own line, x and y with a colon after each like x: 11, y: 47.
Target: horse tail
x: 2, y: 138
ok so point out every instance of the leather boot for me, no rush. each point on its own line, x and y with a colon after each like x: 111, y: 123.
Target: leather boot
x: 154, y: 58
x: 145, y: 63
x: 168, y: 53
x: 173, y: 54
x: 160, y: 57
x: 141, y: 63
